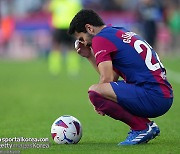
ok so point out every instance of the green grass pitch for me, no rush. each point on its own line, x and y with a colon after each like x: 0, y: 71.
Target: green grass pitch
x: 31, y: 99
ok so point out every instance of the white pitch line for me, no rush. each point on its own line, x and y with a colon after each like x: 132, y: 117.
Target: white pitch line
x: 172, y: 75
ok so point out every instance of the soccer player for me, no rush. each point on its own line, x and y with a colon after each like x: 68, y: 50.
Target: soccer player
x: 114, y: 51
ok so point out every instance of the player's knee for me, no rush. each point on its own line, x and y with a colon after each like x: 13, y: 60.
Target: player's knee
x: 94, y: 98
x: 94, y: 88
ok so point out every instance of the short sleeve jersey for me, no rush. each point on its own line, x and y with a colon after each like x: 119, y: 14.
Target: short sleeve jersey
x: 132, y: 58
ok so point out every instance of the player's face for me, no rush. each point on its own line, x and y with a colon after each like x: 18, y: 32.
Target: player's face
x: 86, y: 38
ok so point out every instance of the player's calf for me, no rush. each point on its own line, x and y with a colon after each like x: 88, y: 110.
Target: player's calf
x: 115, y: 111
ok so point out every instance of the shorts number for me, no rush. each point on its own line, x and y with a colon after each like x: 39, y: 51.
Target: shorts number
x: 148, y: 58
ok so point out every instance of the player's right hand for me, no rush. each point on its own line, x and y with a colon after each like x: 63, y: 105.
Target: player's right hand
x: 82, y: 50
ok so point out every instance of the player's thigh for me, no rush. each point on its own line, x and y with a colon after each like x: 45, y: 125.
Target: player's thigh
x: 124, y: 90
x: 137, y: 100
x: 129, y: 96
x: 105, y: 89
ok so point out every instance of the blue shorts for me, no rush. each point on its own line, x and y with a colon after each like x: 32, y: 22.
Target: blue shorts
x: 138, y: 101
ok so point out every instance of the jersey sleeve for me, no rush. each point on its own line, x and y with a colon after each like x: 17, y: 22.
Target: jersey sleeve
x: 102, y: 49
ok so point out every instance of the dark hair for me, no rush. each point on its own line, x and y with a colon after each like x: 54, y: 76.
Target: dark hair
x: 82, y: 18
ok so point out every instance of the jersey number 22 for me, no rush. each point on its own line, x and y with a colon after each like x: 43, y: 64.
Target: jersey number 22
x: 148, y: 58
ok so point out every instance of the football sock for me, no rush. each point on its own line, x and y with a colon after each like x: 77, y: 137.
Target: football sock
x: 117, y: 112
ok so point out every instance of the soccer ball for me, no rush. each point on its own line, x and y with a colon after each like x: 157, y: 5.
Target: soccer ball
x: 66, y: 130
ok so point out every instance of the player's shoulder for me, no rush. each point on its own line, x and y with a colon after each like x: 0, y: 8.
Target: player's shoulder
x: 107, y: 35
x: 108, y: 29
x: 104, y: 33
x: 109, y: 32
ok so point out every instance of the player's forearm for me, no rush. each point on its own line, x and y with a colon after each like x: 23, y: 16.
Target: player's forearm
x: 116, y: 76
x: 106, y: 79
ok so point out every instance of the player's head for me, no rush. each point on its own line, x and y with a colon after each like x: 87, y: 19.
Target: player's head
x: 85, y: 25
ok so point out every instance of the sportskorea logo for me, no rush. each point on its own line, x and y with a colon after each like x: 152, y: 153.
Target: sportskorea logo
x: 23, y: 139
x: 99, y: 52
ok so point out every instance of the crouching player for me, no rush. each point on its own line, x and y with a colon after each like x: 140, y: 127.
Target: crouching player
x: 114, y: 51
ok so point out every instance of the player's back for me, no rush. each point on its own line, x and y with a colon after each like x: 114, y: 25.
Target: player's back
x: 135, y: 60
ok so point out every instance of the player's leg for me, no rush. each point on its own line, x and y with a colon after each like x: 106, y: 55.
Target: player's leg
x: 104, y: 89
x: 140, y: 101
x: 115, y: 111
x: 104, y: 99
x: 102, y: 95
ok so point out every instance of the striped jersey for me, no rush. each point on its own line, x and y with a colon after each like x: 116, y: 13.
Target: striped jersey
x: 132, y: 58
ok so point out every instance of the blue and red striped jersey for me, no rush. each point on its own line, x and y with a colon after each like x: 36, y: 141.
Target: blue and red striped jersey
x: 132, y: 58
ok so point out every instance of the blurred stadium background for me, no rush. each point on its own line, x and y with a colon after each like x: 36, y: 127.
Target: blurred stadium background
x: 33, y: 95
x: 25, y: 27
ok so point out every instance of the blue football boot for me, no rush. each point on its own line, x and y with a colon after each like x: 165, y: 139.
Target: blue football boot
x: 155, y: 128
x: 138, y: 137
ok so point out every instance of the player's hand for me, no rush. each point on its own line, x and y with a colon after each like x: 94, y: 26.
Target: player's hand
x: 82, y: 50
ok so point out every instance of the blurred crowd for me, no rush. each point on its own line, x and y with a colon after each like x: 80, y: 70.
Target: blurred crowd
x: 26, y: 26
